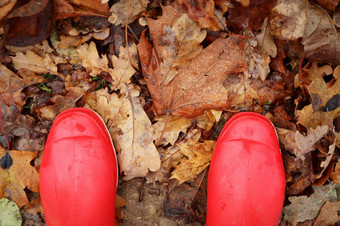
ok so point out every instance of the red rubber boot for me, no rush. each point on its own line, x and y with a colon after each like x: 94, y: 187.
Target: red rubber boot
x: 78, y: 172
x: 246, y: 181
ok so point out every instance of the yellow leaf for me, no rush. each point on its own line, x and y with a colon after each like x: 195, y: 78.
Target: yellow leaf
x: 198, y: 158
x: 19, y: 176
x: 174, y: 126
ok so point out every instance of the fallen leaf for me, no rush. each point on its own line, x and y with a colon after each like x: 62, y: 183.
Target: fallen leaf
x: 29, y: 23
x: 205, y: 14
x: 34, y: 62
x: 306, y: 144
x: 9, y: 213
x: 122, y: 71
x: 93, y: 5
x: 119, y: 11
x: 242, y: 91
x: 206, y: 120
x: 265, y: 40
x: 120, y: 202
x: 64, y: 10
x: 258, y: 63
x: 5, y: 8
x: 61, y: 103
x: 320, y: 92
x: 328, y: 4
x: 176, y: 40
x: 310, y: 119
x: 67, y: 41
x: 335, y: 175
x: 198, y: 156
x: 328, y: 214
x: 18, y: 176
x: 304, y: 208
x: 131, y: 130
x: 252, y: 15
x: 292, y: 20
x: 35, y: 206
x: 199, y: 85
x: 171, y: 127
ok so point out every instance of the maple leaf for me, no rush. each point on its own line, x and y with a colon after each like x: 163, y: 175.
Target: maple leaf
x: 177, y: 40
x: 130, y: 128
x: 18, y: 176
x: 198, y: 85
x: 173, y: 126
x: 198, y: 158
x: 304, y: 208
x: 122, y: 71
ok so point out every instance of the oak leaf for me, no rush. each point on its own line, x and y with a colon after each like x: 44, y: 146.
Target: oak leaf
x: 300, y: 19
x: 176, y: 39
x: 304, y: 208
x: 172, y: 128
x: 18, y: 176
x: 34, y: 62
x: 328, y: 214
x: 130, y: 128
x: 119, y: 11
x: 198, y: 85
x: 198, y: 156
x: 122, y: 71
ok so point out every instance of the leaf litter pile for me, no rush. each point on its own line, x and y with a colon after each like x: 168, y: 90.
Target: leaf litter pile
x: 165, y: 76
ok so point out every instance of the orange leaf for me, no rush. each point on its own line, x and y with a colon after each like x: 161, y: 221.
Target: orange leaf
x: 18, y: 176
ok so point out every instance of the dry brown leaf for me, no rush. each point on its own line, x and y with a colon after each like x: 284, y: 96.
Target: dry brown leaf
x: 34, y: 62
x: 177, y: 40
x: 122, y: 71
x: 206, y: 120
x: 5, y: 8
x: 335, y: 175
x: 205, y: 14
x: 328, y: 4
x: 198, y: 156
x: 328, y: 214
x: 306, y: 144
x: 19, y: 176
x: 310, y: 119
x: 174, y: 125
x: 198, y: 85
x: 120, y: 202
x: 16, y: 83
x: 130, y: 128
x: 68, y: 41
x: 265, y: 40
x: 35, y: 206
x: 292, y: 19
x: 242, y: 91
x: 94, y: 5
x: 61, y: 103
x: 119, y: 11
x: 304, y: 208
x: 258, y: 62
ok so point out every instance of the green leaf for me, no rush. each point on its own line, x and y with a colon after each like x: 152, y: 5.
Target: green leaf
x: 9, y: 213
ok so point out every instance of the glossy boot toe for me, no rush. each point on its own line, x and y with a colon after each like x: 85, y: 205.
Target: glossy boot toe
x: 246, y: 181
x: 78, y: 172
